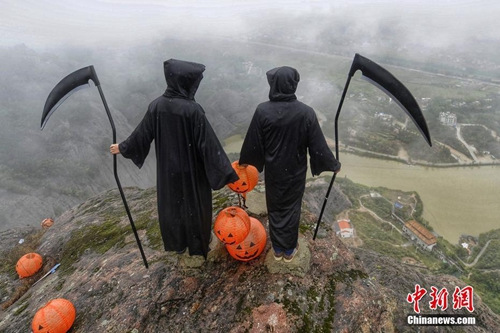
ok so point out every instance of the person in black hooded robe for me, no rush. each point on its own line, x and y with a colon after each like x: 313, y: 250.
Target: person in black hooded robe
x: 190, y: 159
x: 280, y: 133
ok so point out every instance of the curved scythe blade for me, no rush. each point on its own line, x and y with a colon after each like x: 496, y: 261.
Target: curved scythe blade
x: 67, y: 86
x: 389, y: 84
x: 71, y: 83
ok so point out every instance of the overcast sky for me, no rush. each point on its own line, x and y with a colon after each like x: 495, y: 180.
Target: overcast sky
x: 39, y: 23
x: 36, y: 22
x: 48, y: 23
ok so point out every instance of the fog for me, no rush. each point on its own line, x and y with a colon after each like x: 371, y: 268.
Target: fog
x: 57, y: 23
x: 43, y: 24
x: 45, y: 173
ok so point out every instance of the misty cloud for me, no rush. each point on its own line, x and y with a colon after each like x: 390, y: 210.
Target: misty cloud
x: 123, y: 22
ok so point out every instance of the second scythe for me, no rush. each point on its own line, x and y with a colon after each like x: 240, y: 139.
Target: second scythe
x: 384, y: 80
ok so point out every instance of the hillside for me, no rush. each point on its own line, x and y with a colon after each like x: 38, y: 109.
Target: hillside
x: 328, y: 288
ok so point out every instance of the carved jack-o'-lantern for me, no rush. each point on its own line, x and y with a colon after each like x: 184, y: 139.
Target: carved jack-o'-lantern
x: 47, y: 223
x: 252, y: 246
x: 57, y: 316
x: 232, y: 225
x: 249, y: 176
x: 28, y: 265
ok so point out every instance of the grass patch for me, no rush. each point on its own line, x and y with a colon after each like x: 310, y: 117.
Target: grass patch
x: 98, y: 238
x: 318, y: 313
x: 344, y: 277
x: 352, y: 190
x: 450, y: 250
x: 491, y: 256
x: 479, y: 137
x: 485, y: 237
x: 379, y: 206
x: 407, y: 199
x: 487, y: 285
x: 147, y: 222
x: 367, y: 228
x: 21, y: 308
x: 429, y: 260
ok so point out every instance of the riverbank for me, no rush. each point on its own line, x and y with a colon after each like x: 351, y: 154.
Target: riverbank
x: 233, y: 145
x: 369, y: 154
x: 457, y: 200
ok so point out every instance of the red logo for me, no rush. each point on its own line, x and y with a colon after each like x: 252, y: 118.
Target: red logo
x: 439, y: 299
x: 462, y: 298
x: 416, y: 297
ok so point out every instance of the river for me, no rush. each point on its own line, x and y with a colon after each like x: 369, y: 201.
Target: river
x: 462, y: 200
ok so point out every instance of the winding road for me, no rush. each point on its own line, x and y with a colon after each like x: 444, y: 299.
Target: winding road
x: 372, y: 213
x: 469, y: 148
x: 478, y: 256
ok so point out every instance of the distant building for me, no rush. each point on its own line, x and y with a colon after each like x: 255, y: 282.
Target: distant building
x: 344, y: 228
x: 448, y: 118
x: 352, y: 131
x: 425, y: 102
x: 251, y: 69
x: 420, y: 234
x: 383, y: 116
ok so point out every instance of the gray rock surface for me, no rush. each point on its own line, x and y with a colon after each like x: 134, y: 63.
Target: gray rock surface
x: 326, y: 288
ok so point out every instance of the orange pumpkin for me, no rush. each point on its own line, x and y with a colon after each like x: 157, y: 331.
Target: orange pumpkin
x: 252, y: 246
x: 57, y: 316
x: 47, y: 223
x: 232, y: 225
x: 249, y: 176
x: 28, y: 265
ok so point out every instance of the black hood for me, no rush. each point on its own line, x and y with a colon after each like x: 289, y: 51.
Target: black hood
x: 283, y: 82
x: 183, y: 78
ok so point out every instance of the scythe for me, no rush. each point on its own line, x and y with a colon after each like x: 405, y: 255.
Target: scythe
x: 71, y: 83
x: 388, y: 83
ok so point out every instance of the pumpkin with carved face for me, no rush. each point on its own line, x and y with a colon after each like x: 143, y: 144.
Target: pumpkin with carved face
x: 232, y: 225
x: 249, y: 176
x: 252, y: 246
x: 57, y: 316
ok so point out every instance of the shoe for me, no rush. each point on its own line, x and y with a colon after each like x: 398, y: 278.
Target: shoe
x: 289, y: 257
x: 277, y: 255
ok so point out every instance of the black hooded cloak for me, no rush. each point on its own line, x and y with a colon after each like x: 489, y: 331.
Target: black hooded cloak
x: 190, y: 159
x: 280, y: 133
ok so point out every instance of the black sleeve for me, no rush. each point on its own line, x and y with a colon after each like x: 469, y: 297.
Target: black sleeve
x: 321, y: 157
x: 253, y: 149
x: 136, y: 146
